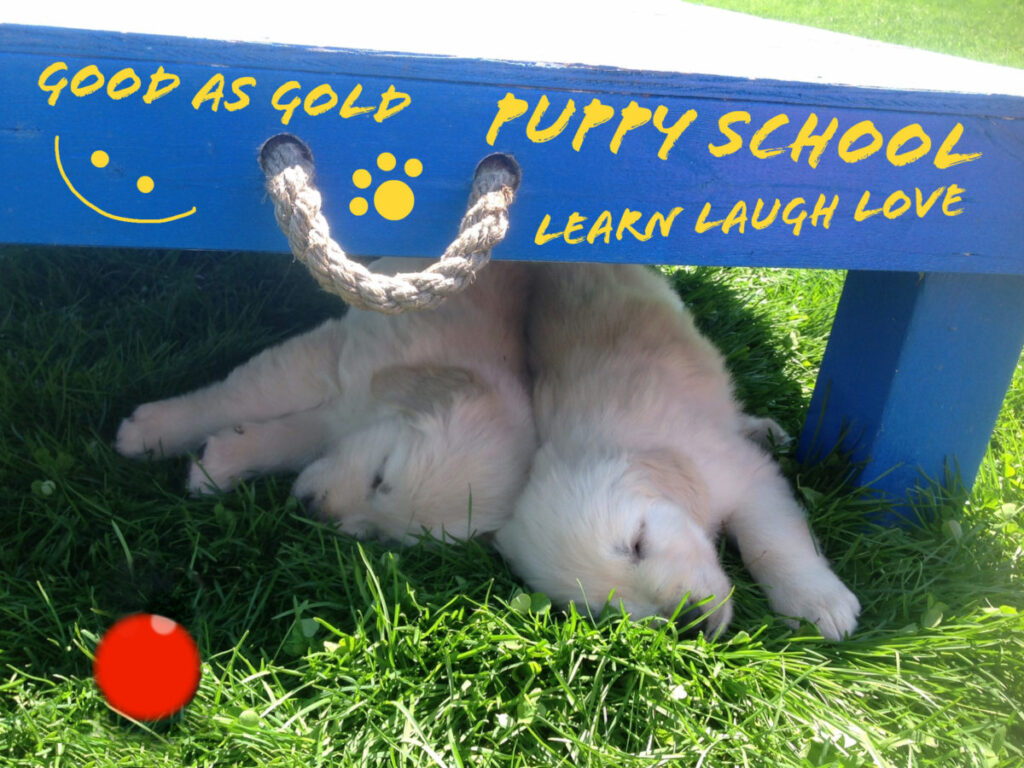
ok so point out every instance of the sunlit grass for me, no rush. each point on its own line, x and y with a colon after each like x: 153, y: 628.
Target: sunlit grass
x: 319, y: 650
x: 984, y: 30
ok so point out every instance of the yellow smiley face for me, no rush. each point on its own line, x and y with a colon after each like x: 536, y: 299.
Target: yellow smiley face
x: 145, y: 185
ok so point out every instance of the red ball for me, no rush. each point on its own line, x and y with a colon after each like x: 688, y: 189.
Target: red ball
x: 147, y: 666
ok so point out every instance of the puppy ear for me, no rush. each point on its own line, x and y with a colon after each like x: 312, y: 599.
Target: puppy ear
x: 671, y: 475
x: 423, y: 388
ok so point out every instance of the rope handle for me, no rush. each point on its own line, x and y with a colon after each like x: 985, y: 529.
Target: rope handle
x: 288, y: 165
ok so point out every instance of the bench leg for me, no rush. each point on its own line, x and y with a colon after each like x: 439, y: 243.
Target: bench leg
x: 915, y: 373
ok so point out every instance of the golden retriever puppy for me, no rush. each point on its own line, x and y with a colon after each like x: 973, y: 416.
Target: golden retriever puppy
x: 645, y: 457
x: 396, y: 423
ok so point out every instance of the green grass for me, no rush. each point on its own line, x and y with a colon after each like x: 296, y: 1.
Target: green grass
x: 985, y: 30
x: 318, y: 650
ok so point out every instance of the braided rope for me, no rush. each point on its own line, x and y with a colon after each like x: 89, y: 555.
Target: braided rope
x: 288, y: 165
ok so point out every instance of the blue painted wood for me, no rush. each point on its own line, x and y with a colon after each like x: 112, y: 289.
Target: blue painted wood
x: 914, y: 374
x: 201, y: 158
x: 917, y: 364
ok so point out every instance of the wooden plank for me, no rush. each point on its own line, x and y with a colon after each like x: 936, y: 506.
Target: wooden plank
x: 647, y: 35
x: 142, y: 140
x: 915, y: 373
x: 600, y: 187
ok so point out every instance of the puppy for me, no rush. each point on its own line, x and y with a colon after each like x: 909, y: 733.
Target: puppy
x: 645, y: 457
x: 398, y: 424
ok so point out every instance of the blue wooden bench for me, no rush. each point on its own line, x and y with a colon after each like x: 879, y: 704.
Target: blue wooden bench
x: 671, y: 134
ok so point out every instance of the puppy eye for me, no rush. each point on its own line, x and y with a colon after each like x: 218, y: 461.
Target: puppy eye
x: 637, y: 550
x: 637, y: 546
x: 377, y: 485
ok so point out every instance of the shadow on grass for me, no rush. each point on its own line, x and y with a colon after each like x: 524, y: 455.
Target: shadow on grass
x: 85, y: 336
x: 91, y: 333
x: 88, y: 536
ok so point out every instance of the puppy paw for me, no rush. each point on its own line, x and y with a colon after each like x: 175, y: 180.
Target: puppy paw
x: 312, y: 485
x: 222, y: 465
x: 821, y: 598
x: 716, y: 617
x: 151, y: 428
x: 321, y: 489
x: 765, y: 432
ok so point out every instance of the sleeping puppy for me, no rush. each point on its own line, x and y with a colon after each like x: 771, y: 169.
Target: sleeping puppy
x: 397, y: 423
x: 645, y: 457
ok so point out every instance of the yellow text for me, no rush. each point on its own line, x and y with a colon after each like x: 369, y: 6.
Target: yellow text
x: 632, y: 117
x: 794, y: 213
x: 323, y: 98
x: 858, y: 142
x: 899, y: 203
x: 89, y: 79
x: 605, y: 225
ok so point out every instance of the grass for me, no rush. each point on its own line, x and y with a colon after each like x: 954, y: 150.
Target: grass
x: 984, y: 30
x: 320, y: 650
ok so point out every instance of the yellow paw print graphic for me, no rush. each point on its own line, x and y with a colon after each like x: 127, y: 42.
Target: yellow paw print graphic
x: 393, y: 199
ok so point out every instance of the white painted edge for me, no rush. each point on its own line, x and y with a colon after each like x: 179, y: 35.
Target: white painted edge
x: 659, y: 35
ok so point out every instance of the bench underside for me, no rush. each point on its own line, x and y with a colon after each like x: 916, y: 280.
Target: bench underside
x: 143, y: 141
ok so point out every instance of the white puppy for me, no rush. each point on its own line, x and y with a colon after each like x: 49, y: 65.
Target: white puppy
x: 645, y: 457
x: 397, y: 423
